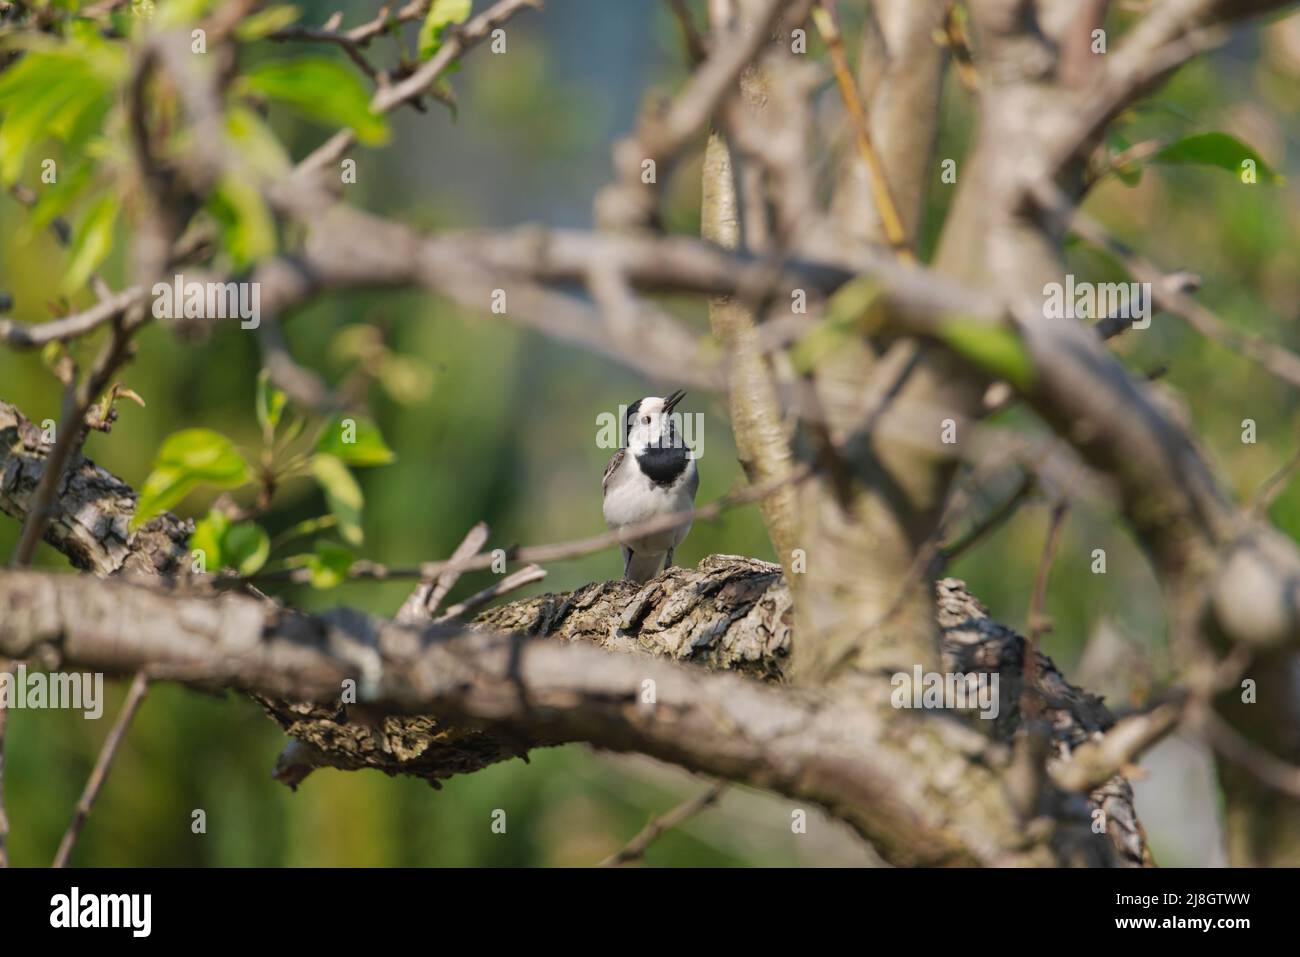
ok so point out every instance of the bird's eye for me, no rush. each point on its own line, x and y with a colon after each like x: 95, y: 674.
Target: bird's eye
x: 645, y: 420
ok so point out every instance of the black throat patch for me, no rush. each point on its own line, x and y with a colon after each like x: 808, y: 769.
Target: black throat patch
x: 662, y: 466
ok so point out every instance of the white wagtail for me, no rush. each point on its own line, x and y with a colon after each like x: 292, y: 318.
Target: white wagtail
x: 652, y: 475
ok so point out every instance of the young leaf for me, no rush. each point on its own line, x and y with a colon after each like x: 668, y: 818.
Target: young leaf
x: 266, y: 22
x: 27, y: 112
x: 186, y: 459
x: 342, y: 494
x: 442, y: 13
x: 209, y: 532
x: 204, y: 456
x: 92, y: 242
x: 247, y: 229
x: 329, y: 565
x: 321, y: 90
x: 308, y: 526
x: 1216, y: 149
x: 993, y: 348
x: 245, y: 547
x: 163, y: 488
x: 256, y: 143
x: 355, y: 441
x: 270, y: 405
x: 1130, y: 172
x: 846, y: 312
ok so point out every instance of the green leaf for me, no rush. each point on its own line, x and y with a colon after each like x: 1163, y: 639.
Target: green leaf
x: 270, y: 404
x: 847, y: 310
x: 321, y: 90
x: 92, y: 242
x: 994, y: 349
x: 257, y: 144
x: 247, y: 229
x: 442, y: 14
x: 163, y: 488
x: 28, y: 102
x: 55, y: 90
x: 56, y: 198
x: 180, y: 12
x: 1217, y: 149
x: 205, y: 456
x: 245, y: 547
x: 342, y: 494
x: 407, y: 380
x: 1129, y: 173
x: 329, y: 565
x: 266, y: 22
x: 209, y: 532
x: 354, y: 441
x: 308, y: 526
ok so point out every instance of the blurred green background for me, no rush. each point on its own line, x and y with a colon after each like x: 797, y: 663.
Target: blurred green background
x: 504, y: 433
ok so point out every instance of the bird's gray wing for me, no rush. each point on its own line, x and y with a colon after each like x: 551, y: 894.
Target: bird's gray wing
x: 693, y: 483
x: 610, y: 468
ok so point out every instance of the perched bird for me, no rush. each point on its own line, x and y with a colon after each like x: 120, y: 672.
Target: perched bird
x: 652, y: 475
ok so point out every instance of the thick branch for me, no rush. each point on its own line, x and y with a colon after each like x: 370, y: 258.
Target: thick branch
x: 924, y: 787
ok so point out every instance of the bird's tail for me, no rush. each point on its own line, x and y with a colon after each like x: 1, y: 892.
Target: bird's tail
x: 644, y: 566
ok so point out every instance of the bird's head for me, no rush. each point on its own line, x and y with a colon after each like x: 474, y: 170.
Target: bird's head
x: 650, y: 423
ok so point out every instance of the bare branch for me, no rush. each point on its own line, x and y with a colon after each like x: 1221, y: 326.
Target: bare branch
x: 512, y: 582
x: 21, y: 335
x: 635, y: 849
x: 1169, y: 295
x: 1096, y: 762
x: 425, y: 600
x: 846, y: 753
x: 556, y: 552
x: 661, y: 136
x: 475, y: 31
x: 134, y: 698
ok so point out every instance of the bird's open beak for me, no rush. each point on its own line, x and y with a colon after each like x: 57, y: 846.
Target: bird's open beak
x: 670, y: 401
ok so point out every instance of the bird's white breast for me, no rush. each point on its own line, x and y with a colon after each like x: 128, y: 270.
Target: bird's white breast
x: 631, y: 498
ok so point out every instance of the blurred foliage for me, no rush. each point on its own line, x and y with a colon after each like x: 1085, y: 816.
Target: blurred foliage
x: 492, y: 422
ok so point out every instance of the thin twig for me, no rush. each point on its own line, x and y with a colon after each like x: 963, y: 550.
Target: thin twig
x: 992, y: 521
x: 1095, y: 762
x: 460, y: 39
x: 1038, y: 622
x: 360, y: 35
x: 635, y: 849
x: 825, y: 19
x: 1274, y: 485
x: 1168, y: 292
x: 25, y: 335
x: 512, y: 582
x: 1239, y: 750
x: 419, y: 82
x: 696, y: 49
x: 134, y: 697
x: 424, y: 601
x: 541, y: 554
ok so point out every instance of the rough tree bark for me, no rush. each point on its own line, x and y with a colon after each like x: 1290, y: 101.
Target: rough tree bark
x: 924, y: 788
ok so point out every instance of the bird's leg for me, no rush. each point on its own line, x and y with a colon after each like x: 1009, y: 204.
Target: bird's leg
x: 627, y: 561
x: 668, y: 562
